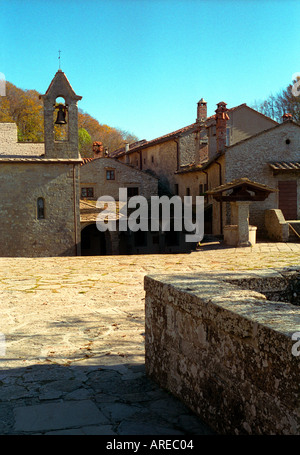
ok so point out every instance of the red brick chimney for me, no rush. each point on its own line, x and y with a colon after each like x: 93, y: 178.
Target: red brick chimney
x: 287, y: 117
x: 201, y: 110
x: 98, y: 149
x: 221, y: 121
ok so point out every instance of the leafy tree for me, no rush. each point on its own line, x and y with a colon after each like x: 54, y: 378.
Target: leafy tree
x: 283, y: 102
x: 112, y: 138
x: 84, y: 142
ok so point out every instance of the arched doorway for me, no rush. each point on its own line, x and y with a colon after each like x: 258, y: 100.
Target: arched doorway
x: 93, y: 241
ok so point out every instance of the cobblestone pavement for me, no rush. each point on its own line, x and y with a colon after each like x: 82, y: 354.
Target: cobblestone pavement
x: 72, y: 341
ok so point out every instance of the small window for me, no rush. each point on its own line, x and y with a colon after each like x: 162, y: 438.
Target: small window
x: 110, y: 175
x: 152, y: 159
x: 188, y: 191
x: 176, y: 189
x: 132, y: 191
x: 40, y: 208
x: 87, y: 192
x: 200, y: 189
x: 227, y: 136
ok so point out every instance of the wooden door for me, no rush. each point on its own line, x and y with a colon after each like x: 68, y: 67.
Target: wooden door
x: 288, y: 198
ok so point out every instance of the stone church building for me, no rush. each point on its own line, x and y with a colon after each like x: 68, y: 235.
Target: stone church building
x: 39, y: 204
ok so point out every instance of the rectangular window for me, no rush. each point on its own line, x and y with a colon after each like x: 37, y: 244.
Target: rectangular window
x: 40, y: 208
x: 176, y: 189
x: 87, y: 192
x: 110, y: 175
x: 132, y: 191
x: 227, y: 136
x: 188, y: 191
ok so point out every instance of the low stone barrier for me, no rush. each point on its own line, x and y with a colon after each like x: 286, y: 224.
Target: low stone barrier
x: 218, y: 343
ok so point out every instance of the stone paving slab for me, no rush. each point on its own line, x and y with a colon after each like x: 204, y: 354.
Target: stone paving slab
x: 54, y: 416
x: 74, y: 340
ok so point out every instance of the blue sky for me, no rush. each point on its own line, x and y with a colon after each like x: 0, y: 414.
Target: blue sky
x: 142, y: 65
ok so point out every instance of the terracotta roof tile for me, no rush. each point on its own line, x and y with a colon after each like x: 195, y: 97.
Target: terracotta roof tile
x: 86, y: 160
x: 285, y: 166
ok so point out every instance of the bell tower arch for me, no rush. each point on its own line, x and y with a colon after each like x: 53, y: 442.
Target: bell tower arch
x: 60, y: 118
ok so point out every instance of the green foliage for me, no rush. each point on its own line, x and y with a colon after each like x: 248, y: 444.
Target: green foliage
x: 111, y: 138
x: 84, y: 142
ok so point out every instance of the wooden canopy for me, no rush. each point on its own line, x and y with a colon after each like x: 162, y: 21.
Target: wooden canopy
x: 241, y: 189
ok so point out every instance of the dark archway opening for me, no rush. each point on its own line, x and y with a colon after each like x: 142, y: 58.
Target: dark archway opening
x: 93, y: 242
x: 208, y: 215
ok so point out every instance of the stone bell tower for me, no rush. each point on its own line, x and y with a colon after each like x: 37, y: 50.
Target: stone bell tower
x: 61, y: 119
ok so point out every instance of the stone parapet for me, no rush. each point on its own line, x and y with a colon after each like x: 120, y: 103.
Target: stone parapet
x: 222, y: 343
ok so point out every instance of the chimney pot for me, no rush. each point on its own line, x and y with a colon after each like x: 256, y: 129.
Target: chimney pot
x: 221, y: 123
x: 201, y: 111
x: 287, y: 117
x: 98, y: 149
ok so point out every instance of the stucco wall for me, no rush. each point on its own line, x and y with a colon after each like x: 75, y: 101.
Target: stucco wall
x: 191, y: 180
x: 243, y: 122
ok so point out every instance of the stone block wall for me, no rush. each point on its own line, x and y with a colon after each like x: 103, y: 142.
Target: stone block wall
x: 9, y: 144
x: 188, y: 145
x: 93, y: 174
x: 276, y: 226
x: 22, y: 233
x: 250, y: 159
x: 218, y: 344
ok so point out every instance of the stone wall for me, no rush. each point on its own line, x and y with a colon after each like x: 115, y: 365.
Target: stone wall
x: 217, y: 343
x: 243, y: 122
x: 250, y: 159
x: 93, y: 175
x: 276, y: 226
x: 160, y: 159
x: 191, y: 180
x: 22, y: 233
x: 9, y: 144
x: 188, y: 145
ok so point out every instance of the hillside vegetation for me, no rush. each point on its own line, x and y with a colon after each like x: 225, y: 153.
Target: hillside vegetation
x: 26, y: 109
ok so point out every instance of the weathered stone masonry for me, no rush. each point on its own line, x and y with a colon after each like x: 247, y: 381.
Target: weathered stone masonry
x: 219, y: 345
x: 44, y: 176
x: 22, y: 183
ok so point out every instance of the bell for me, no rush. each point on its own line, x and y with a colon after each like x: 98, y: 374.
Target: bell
x: 61, y: 115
